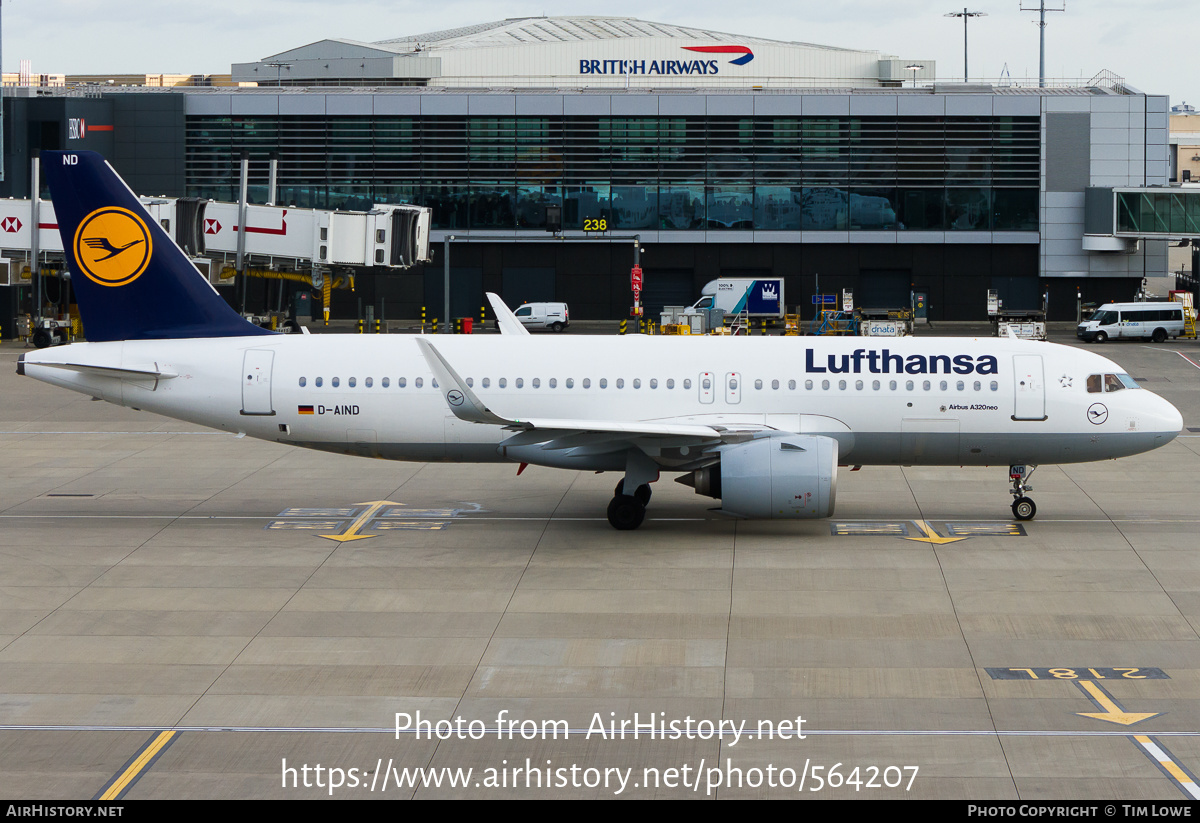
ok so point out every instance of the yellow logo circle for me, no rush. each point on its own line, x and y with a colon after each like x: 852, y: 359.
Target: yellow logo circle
x: 112, y: 246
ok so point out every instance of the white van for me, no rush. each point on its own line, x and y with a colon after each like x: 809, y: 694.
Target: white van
x: 1147, y: 321
x: 554, y: 316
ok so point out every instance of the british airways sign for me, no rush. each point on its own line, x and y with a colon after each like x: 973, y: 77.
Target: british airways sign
x: 662, y: 67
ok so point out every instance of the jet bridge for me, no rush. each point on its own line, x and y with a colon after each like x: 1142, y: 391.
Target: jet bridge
x: 1116, y: 218
x: 276, y: 237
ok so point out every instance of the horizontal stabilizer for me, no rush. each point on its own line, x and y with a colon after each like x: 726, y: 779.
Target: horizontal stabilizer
x: 150, y: 372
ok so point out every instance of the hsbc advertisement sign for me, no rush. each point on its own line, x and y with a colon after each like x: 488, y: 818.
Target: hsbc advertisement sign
x: 708, y: 66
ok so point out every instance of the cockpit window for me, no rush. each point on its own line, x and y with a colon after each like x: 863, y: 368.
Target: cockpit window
x: 1110, y: 383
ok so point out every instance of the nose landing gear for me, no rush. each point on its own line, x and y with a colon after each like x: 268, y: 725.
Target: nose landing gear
x: 1023, y: 508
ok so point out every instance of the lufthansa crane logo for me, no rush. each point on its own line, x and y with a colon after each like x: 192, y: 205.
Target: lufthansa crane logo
x: 112, y: 246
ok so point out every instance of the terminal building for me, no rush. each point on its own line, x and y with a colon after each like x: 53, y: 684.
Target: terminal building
x: 725, y: 155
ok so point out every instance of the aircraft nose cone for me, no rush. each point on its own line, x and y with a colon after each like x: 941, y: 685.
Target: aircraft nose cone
x: 1170, y: 421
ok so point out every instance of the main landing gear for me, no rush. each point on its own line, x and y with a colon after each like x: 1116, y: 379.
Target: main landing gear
x: 1023, y: 508
x: 626, y: 511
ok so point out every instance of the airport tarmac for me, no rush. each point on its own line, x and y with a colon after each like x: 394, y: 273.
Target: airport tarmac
x: 177, y: 622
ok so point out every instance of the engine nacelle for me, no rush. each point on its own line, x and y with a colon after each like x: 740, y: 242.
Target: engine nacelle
x: 787, y: 477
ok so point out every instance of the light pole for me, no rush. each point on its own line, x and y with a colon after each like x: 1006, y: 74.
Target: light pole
x: 914, y: 68
x: 966, y: 15
x: 1041, y: 8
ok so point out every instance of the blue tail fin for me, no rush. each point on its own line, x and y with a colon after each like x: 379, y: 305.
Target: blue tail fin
x: 130, y: 279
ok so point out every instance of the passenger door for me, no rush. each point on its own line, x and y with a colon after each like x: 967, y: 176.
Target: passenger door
x: 1029, y: 401
x: 256, y: 382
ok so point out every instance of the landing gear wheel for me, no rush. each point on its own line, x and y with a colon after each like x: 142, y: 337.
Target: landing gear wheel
x: 626, y: 513
x: 642, y: 493
x: 1023, y: 508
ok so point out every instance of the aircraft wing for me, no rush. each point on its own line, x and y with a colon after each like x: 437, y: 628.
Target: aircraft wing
x: 509, y: 324
x: 606, y: 435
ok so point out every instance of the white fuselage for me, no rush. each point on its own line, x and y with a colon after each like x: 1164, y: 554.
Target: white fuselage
x: 931, y: 401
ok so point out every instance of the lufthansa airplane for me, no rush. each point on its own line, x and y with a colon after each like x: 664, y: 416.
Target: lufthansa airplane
x: 763, y: 423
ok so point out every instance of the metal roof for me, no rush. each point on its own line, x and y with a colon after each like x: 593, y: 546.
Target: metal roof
x: 532, y: 30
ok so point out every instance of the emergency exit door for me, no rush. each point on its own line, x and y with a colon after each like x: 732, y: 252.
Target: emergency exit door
x: 256, y: 382
x: 1029, y: 387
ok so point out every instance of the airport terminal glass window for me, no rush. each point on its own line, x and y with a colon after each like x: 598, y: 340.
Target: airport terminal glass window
x: 921, y: 209
x: 969, y: 209
x: 681, y: 206
x: 770, y: 172
x: 303, y: 382
x: 493, y: 205
x: 1015, y: 209
x: 449, y: 201
x: 531, y: 205
x: 778, y: 207
x: 635, y: 206
x: 731, y: 207
x: 873, y: 209
x: 824, y: 208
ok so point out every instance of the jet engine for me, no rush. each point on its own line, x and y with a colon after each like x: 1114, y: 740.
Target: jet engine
x: 787, y: 477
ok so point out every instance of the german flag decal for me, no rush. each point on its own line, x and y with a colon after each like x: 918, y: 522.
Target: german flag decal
x: 304, y: 409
